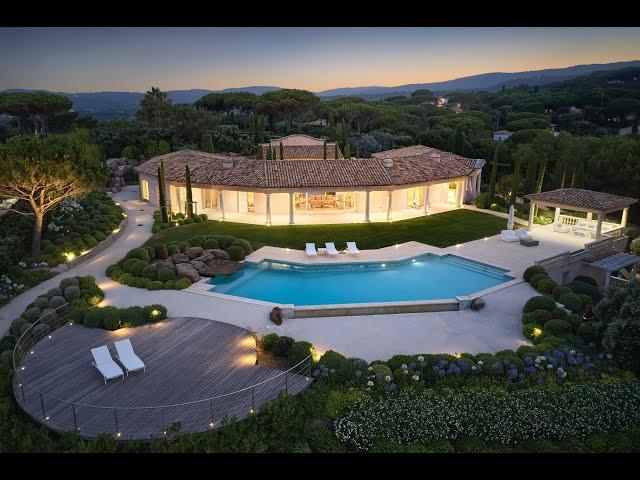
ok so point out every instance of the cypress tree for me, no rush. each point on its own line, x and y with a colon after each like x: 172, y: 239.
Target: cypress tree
x: 281, y: 151
x: 164, y: 215
x: 260, y: 152
x: 347, y: 151
x: 187, y: 184
x: 516, y: 181
x: 494, y: 173
x: 207, y: 143
x: 530, y: 175
x: 541, y: 173
x: 335, y: 150
x: 324, y: 150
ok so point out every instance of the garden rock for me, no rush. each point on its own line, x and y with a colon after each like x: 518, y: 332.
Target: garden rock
x: 179, y: 258
x: 221, y: 254
x: 478, y: 304
x: 158, y: 264
x: 196, y: 264
x: 205, y: 257
x: 224, y: 267
x: 185, y: 270
x: 207, y: 271
x: 194, y: 252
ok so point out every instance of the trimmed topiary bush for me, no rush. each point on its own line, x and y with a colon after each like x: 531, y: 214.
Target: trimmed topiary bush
x: 538, y: 317
x: 299, y: 351
x: 557, y: 327
x: 32, y: 314
x: 136, y: 268
x: 182, y: 283
x: 196, y: 241
x: 165, y: 274
x: 531, y: 330
x: 560, y: 290
x: 155, y: 285
x: 537, y: 278
x: 41, y: 302
x: 590, y: 331
x: 539, y: 303
x: 531, y: 271
x: 268, y: 341
x: 546, y: 285
x: 588, y: 280
x: 71, y: 293
x: 225, y: 241
x: 572, y: 301
x: 40, y: 331
x: 559, y: 313
x: 149, y: 272
x: 57, y: 301
x: 210, y: 243
x: 54, y: 292
x: 245, y: 244
x: 282, y: 346
x: 236, y: 253
x: 585, y: 288
x: 382, y: 372
x: 68, y: 282
x: 140, y: 253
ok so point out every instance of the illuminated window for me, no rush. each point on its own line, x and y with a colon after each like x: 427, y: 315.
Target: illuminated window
x: 209, y: 198
x: 144, y: 189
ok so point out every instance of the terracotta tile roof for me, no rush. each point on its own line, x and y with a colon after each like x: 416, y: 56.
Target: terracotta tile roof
x: 427, y: 153
x: 297, y: 152
x: 207, y: 169
x: 588, y: 199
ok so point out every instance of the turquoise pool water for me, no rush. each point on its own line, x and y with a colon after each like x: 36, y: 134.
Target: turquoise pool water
x: 427, y: 277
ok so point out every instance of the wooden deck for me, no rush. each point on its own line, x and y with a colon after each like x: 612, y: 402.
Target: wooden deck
x: 187, y: 359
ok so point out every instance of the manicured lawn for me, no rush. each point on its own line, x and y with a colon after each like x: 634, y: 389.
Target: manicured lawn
x: 441, y: 230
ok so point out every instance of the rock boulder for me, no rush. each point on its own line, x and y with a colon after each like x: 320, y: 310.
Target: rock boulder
x: 179, y: 258
x: 185, y: 270
x: 194, y: 252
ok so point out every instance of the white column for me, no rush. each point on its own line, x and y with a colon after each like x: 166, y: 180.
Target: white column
x: 221, y: 204
x: 461, y: 185
x: 556, y: 217
x: 478, y: 182
x: 291, y: 209
x: 426, y: 199
x: 589, y: 216
x: 389, y: 205
x: 625, y: 213
x: 599, y: 226
x: 532, y: 208
x: 366, y: 208
x: 268, y: 209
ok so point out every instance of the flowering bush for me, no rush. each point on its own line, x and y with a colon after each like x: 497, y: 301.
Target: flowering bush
x: 422, y: 416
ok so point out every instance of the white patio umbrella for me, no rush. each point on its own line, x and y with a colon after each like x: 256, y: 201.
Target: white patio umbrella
x: 511, y: 219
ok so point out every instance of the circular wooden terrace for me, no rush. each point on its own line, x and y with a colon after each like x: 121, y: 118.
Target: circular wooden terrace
x: 198, y: 372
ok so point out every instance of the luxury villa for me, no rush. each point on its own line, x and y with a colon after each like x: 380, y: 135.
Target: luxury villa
x: 306, y: 183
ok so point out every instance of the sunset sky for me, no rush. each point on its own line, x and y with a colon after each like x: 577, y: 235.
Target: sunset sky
x: 133, y: 59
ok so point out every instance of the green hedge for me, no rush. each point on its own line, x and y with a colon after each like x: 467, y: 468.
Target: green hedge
x: 113, y: 318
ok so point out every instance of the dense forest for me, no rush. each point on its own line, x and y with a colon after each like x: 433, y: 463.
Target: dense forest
x: 563, y: 134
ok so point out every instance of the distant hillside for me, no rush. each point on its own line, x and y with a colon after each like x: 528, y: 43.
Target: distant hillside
x: 111, y: 105
x: 485, y: 81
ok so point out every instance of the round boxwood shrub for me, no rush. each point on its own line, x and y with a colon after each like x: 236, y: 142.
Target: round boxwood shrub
x: 300, y: 351
x: 149, y: 272
x: 531, y: 330
x: 140, y: 282
x: 91, y: 241
x: 560, y: 290
x: 54, y: 292
x: 531, y: 271
x: 126, y: 279
x: 140, y: 253
x: 538, y: 317
x: 99, y: 236
x: 572, y: 301
x: 245, y: 244
x: 68, y: 282
x: 203, y: 217
x: 632, y: 233
x: 32, y: 314
x: 136, y: 268
x: 236, y: 253
x: 41, y: 302
x: 173, y: 247
x: 210, y: 243
x: 154, y: 313
x: 48, y: 315
x: 574, y: 320
x: 155, y: 285
x: 282, y: 346
x: 40, y: 331
x: 590, y: 331
x: 165, y: 274
x: 57, y: 301
x: 128, y: 264
x: 268, y: 341
x: 559, y: 313
x: 586, y: 300
x: 539, y: 302
x: 16, y: 325
x: 161, y: 251
x: 71, y: 293
x: 557, y: 327
x: 634, y: 246
x: 225, y: 241
x: 196, y: 241
x: 182, y: 283
x: 537, y: 278
x: 586, y: 279
x: 546, y: 285
x: 586, y: 289
x: 169, y: 285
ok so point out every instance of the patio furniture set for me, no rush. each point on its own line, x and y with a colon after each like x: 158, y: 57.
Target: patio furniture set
x: 519, y: 235
x: 330, y: 249
x: 108, y: 368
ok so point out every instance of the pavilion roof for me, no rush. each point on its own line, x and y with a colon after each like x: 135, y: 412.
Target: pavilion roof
x: 581, y: 199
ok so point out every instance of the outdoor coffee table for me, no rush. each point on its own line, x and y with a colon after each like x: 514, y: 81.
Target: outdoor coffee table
x: 529, y: 243
x: 322, y: 251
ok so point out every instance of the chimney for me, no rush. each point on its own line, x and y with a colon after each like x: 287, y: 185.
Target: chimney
x: 227, y: 163
x: 387, y: 162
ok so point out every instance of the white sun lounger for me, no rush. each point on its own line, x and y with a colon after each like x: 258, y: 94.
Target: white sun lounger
x: 127, y: 357
x: 509, y: 236
x: 331, y: 249
x: 351, y: 246
x: 310, y: 250
x: 104, y: 363
x: 521, y: 233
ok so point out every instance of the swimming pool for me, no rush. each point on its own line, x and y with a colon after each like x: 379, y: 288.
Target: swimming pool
x: 426, y: 277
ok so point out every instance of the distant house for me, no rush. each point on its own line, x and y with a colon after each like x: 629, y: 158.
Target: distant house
x: 501, y: 135
x: 575, y: 110
x: 442, y: 101
x: 320, y: 122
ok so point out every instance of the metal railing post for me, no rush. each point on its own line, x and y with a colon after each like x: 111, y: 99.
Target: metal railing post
x: 286, y: 381
x: 75, y: 418
x: 164, y: 423
x: 211, y: 407
x: 253, y: 400
x: 24, y: 400
x: 44, y: 414
x: 115, y: 416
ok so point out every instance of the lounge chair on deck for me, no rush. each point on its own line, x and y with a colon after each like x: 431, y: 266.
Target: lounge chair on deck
x: 104, y: 363
x: 331, y: 249
x: 509, y: 236
x: 127, y: 357
x: 522, y: 234
x: 351, y: 246
x: 310, y: 250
